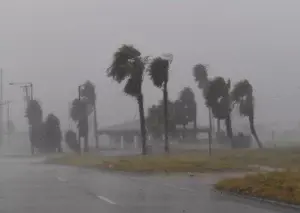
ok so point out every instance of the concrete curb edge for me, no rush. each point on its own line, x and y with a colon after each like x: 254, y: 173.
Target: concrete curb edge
x: 259, y: 199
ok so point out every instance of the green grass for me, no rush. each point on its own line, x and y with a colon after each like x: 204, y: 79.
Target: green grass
x: 221, y: 160
x: 278, y: 186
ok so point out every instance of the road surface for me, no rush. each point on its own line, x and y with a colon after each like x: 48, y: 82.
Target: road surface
x: 29, y: 186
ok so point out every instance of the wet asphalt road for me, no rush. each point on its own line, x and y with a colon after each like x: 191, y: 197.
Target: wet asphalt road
x: 28, y: 186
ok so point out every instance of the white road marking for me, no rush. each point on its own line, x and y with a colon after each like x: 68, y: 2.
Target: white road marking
x: 61, y: 179
x: 106, y: 200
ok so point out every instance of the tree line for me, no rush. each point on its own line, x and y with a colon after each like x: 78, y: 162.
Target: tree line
x: 130, y: 66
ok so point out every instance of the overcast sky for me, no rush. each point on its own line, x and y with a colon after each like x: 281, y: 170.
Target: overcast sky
x: 58, y: 44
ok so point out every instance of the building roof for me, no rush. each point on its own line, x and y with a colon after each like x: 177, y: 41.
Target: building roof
x: 126, y: 126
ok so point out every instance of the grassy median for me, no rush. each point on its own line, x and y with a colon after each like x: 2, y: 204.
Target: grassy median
x: 278, y: 186
x: 221, y: 160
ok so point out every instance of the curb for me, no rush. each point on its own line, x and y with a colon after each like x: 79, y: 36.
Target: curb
x: 259, y: 199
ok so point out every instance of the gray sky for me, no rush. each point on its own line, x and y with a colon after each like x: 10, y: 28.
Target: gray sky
x: 58, y: 44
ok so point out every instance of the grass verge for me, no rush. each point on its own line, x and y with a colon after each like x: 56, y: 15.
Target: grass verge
x: 277, y: 186
x: 221, y: 160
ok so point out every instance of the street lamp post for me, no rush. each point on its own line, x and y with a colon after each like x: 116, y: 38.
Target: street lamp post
x: 27, y: 88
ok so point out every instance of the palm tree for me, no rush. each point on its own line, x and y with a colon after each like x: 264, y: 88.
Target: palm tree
x: 216, y: 94
x: 52, y: 134
x: 88, y: 91
x: 159, y: 73
x: 128, y: 65
x: 242, y: 95
x: 187, y: 98
x: 34, y: 115
x: 218, y: 100
x: 79, y: 113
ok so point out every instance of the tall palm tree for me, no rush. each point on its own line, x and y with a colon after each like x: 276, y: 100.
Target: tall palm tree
x: 79, y: 113
x: 34, y: 115
x: 88, y: 91
x: 242, y: 95
x: 128, y: 65
x: 159, y: 73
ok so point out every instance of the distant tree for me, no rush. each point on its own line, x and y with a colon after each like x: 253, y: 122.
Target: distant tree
x: 189, y: 105
x: 88, y: 91
x: 242, y: 95
x: 155, y: 119
x: 52, y: 134
x: 128, y: 65
x: 71, y: 141
x: 34, y: 115
x: 159, y: 73
x: 79, y: 114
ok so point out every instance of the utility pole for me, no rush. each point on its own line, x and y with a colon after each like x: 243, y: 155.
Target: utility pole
x: 1, y: 106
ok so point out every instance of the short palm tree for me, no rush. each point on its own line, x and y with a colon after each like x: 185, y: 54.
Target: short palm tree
x: 159, y: 73
x: 52, y: 134
x: 34, y: 115
x: 88, y: 91
x: 187, y: 97
x: 242, y: 95
x: 128, y: 65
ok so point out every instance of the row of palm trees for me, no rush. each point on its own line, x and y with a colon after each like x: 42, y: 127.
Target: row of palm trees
x: 130, y: 65
x: 45, y: 136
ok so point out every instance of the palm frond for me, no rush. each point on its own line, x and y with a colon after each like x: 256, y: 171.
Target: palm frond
x: 158, y: 71
x: 34, y: 112
x: 121, y: 65
x: 241, y: 89
x: 200, y: 75
x: 88, y: 91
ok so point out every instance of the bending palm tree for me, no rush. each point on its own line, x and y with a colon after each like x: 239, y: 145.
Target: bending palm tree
x: 242, y: 95
x: 159, y: 73
x: 216, y: 94
x: 129, y: 65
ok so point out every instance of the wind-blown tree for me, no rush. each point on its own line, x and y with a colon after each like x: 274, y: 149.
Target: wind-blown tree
x: 79, y: 114
x: 34, y: 115
x: 52, y: 134
x: 129, y: 65
x: 71, y: 141
x: 187, y: 98
x: 159, y: 74
x: 218, y: 100
x: 242, y: 95
x: 216, y: 94
x: 88, y: 91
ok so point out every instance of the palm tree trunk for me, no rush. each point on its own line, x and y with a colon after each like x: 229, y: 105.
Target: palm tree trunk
x: 166, y: 123
x: 229, y: 130
x: 210, y: 118
x: 218, y: 126
x: 96, y: 127
x: 140, y: 100
x: 86, y: 143
x: 253, y: 131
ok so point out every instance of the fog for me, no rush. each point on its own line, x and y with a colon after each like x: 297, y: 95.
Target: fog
x: 59, y: 44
